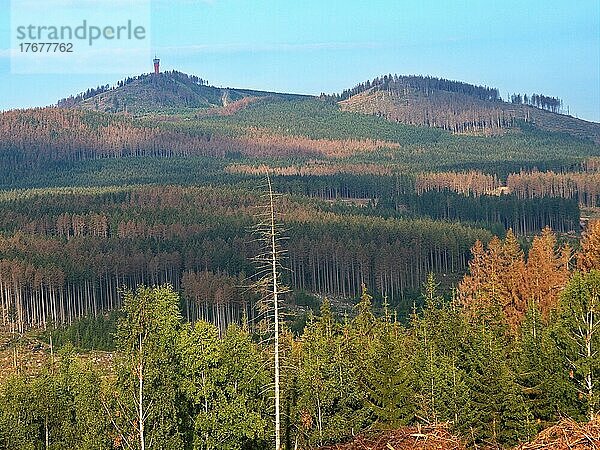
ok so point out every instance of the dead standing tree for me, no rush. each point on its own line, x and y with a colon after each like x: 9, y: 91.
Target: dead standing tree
x: 269, y: 233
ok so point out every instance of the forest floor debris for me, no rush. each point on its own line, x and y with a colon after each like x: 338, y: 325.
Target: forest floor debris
x: 32, y: 355
x: 567, y: 435
x: 429, y: 437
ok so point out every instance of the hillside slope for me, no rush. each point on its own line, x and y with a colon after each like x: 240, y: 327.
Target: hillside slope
x: 457, y: 107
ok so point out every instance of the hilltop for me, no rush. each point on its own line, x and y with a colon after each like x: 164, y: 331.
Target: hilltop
x: 459, y: 107
x: 170, y: 91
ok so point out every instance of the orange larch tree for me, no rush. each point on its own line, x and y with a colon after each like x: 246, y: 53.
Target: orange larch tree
x: 589, y: 256
x: 500, y: 277
x: 547, y: 272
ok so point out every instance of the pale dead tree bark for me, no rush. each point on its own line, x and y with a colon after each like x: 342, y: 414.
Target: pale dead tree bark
x: 51, y: 350
x: 46, y: 432
x: 270, y: 286
x: 276, y: 307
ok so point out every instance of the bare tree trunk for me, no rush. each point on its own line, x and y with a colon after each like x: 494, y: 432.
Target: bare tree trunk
x: 51, y: 349
x: 276, y: 307
x: 47, y: 432
x: 141, y: 397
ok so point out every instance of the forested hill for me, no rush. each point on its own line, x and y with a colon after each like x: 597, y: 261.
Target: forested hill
x: 459, y: 107
x: 170, y: 91
x: 455, y: 106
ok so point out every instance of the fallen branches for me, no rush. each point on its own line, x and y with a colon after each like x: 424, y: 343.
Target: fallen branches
x: 414, y: 438
x: 567, y: 435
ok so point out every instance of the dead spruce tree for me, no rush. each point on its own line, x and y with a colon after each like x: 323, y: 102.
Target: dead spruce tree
x: 269, y: 233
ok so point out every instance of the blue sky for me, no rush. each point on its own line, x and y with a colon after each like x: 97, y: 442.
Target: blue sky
x: 313, y: 46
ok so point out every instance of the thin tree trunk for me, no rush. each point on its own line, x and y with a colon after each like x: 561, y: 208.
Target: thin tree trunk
x: 47, y: 432
x: 276, y: 307
x: 141, y: 397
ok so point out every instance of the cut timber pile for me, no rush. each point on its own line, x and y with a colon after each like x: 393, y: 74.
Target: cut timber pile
x: 567, y: 435
x: 413, y: 438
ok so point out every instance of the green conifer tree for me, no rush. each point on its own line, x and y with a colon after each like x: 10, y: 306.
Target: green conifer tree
x: 329, y: 399
x: 381, y: 350
x: 442, y: 395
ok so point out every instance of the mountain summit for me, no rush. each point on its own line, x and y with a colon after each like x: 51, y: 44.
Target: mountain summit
x: 170, y: 91
x: 459, y: 107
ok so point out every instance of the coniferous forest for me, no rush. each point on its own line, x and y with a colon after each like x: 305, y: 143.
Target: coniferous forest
x: 218, y: 268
